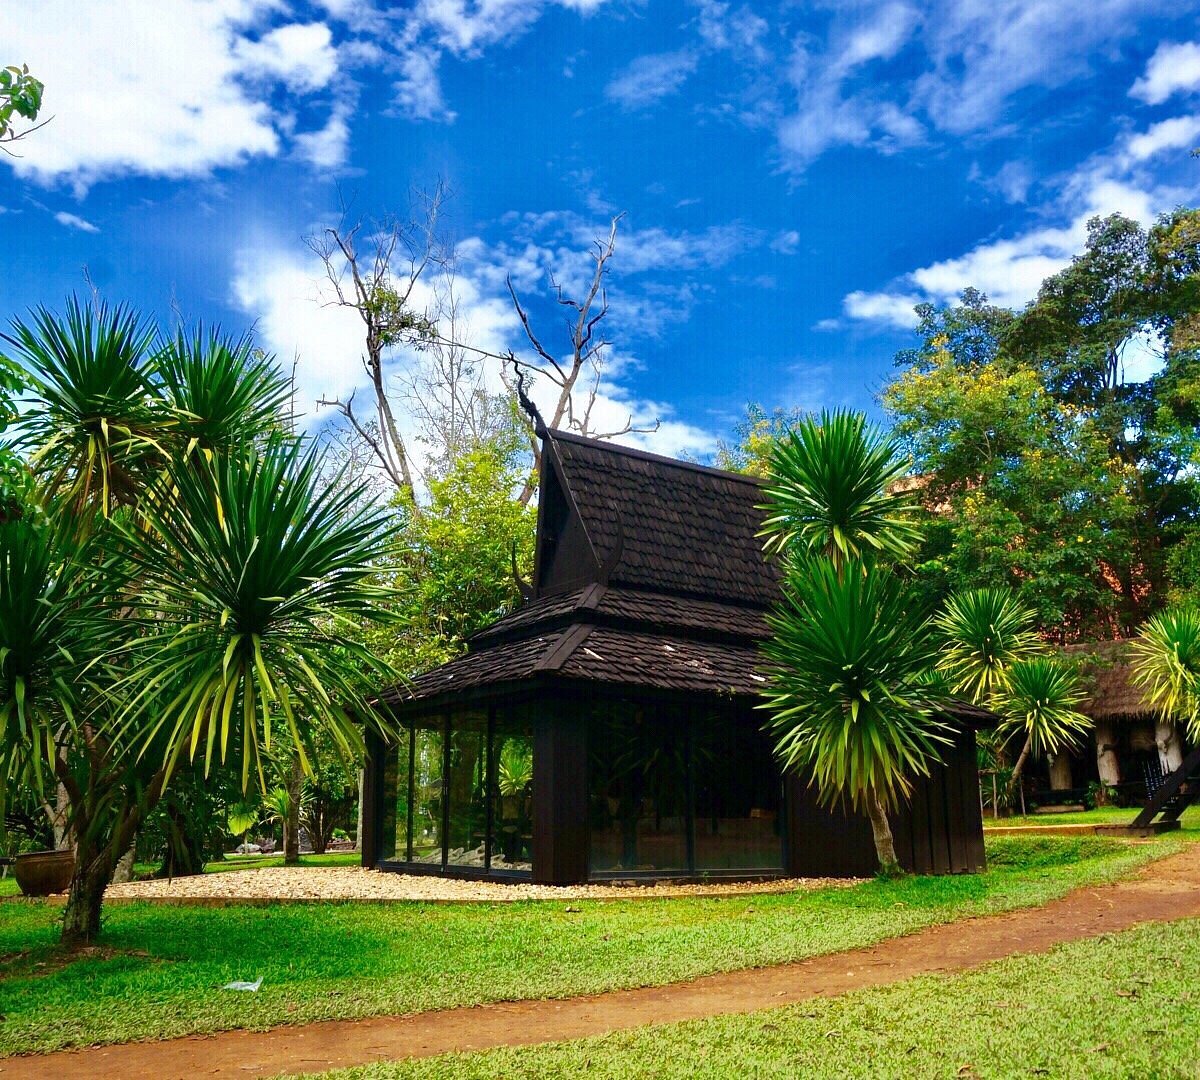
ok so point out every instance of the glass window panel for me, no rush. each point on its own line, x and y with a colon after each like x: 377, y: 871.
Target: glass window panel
x: 468, y: 788
x: 512, y: 791
x: 738, y: 794
x: 638, y: 788
x: 427, y: 796
x: 393, y: 841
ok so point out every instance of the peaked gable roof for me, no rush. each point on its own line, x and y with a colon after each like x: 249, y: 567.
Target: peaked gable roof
x: 663, y: 525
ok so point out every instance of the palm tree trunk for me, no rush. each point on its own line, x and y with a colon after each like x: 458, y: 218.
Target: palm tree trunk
x: 291, y: 828
x: 1022, y: 757
x: 885, y: 846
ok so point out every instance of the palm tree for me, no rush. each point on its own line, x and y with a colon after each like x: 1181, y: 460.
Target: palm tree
x: 835, y: 489
x: 184, y: 584
x: 1166, y: 662
x: 983, y: 633
x: 848, y: 700
x: 851, y: 647
x: 1037, y: 703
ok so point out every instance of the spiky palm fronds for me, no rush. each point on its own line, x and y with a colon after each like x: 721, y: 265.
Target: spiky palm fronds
x: 983, y: 633
x: 93, y: 424
x: 223, y: 392
x: 56, y: 636
x: 1166, y: 662
x: 831, y: 491
x: 846, y: 689
x: 1038, y: 703
x: 253, y: 572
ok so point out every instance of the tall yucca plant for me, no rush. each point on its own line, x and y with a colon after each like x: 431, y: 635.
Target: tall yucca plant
x: 1166, y: 663
x: 91, y: 421
x: 1038, y: 704
x: 983, y: 633
x: 832, y: 490
x: 847, y: 695
x: 251, y: 572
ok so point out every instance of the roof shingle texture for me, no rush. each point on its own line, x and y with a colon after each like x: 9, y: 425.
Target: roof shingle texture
x: 678, y: 527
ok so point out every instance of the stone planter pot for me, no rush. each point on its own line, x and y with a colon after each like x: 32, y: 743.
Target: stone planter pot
x: 40, y: 873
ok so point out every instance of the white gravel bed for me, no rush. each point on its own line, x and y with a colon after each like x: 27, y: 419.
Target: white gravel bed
x: 355, y: 883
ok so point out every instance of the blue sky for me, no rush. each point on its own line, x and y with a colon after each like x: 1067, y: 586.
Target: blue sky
x: 794, y: 176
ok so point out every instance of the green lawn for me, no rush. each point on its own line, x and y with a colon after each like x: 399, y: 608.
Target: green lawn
x: 1107, y: 815
x: 162, y: 967
x: 259, y: 862
x: 1126, y: 1005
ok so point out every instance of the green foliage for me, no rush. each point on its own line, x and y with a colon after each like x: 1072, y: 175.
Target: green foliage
x: 1045, y: 468
x: 983, y: 633
x: 182, y: 579
x: 831, y: 491
x: 515, y: 771
x: 1038, y: 704
x: 20, y: 96
x: 251, y: 569
x: 755, y: 439
x: 457, y: 555
x: 1166, y: 663
x: 846, y: 695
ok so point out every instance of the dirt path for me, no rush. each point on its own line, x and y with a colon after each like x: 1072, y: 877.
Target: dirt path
x: 1165, y: 890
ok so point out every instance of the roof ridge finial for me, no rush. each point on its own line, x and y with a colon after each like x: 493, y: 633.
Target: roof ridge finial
x: 531, y: 410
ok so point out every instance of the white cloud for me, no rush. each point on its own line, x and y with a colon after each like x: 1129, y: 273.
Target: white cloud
x: 74, y: 221
x: 327, y: 147
x: 419, y: 88
x: 287, y: 296
x: 888, y: 308
x: 786, y: 242
x: 1173, y: 68
x: 648, y: 79
x: 1178, y: 133
x: 301, y: 55
x: 138, y: 86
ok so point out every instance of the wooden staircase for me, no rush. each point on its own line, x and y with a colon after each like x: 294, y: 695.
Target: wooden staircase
x: 1176, y: 793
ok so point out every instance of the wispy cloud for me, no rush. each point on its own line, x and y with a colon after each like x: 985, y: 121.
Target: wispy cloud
x: 74, y: 221
x: 651, y: 78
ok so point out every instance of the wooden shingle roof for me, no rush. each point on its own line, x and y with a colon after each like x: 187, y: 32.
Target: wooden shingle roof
x: 670, y: 526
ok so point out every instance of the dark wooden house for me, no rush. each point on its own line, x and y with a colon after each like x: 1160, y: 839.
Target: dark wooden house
x: 607, y: 728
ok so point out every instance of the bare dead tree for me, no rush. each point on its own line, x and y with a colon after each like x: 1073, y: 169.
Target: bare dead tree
x: 374, y: 272
x: 445, y: 388
x: 578, y: 375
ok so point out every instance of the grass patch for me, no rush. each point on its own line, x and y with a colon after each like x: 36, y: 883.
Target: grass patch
x: 325, y: 961
x: 1105, y: 815
x: 1125, y: 1005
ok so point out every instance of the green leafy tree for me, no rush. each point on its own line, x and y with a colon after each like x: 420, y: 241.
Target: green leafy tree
x: 20, y: 99
x: 755, y: 438
x: 183, y: 587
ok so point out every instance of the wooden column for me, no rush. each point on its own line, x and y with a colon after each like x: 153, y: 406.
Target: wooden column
x: 560, y: 836
x: 372, y: 798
